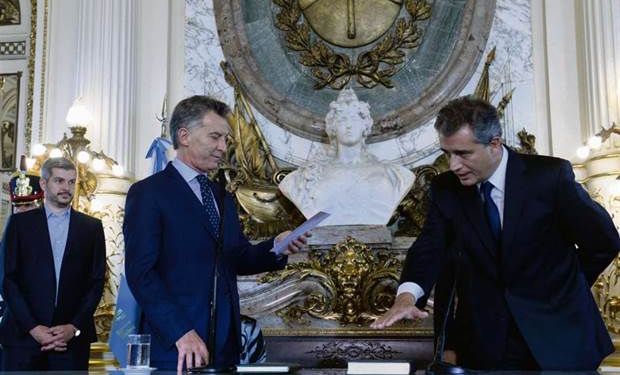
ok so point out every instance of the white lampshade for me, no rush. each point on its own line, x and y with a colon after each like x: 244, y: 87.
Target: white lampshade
x: 78, y: 114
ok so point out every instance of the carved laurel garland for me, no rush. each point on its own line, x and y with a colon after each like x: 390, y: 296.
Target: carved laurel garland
x: 335, y: 70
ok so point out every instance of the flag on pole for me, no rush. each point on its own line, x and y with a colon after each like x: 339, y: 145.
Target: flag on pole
x: 127, y: 315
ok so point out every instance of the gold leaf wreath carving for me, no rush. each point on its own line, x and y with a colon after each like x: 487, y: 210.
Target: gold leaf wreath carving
x: 335, y: 70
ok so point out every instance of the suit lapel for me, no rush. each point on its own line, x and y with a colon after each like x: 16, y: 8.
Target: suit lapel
x: 188, y: 197
x: 514, y: 194
x: 472, y: 205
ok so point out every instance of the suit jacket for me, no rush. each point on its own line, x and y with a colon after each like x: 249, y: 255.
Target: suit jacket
x: 29, y: 286
x: 169, y: 260
x: 555, y: 242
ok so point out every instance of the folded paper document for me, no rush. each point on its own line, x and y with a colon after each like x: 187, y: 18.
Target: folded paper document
x: 379, y: 367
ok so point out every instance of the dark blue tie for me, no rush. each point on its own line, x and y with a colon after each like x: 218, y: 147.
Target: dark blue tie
x: 491, y: 210
x: 208, y: 202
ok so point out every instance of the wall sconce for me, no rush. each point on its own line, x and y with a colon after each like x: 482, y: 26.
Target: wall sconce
x: 595, y: 142
x: 90, y: 164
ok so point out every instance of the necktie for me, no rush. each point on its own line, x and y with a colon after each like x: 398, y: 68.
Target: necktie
x: 491, y: 210
x: 208, y: 203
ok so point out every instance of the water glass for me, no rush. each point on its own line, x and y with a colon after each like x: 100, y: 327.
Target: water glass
x: 138, y: 351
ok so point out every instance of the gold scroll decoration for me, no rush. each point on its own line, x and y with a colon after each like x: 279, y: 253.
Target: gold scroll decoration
x: 355, y: 285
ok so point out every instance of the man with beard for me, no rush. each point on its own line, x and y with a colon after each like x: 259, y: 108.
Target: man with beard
x: 54, y: 273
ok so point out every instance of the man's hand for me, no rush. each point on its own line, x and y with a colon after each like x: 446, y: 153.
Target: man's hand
x: 296, y: 244
x: 43, y: 336
x: 403, y: 308
x: 449, y: 356
x: 192, y: 351
x: 61, y: 334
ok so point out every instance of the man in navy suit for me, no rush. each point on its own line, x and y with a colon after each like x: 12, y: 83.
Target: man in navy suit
x: 525, y: 242
x: 54, y: 271
x: 171, y: 233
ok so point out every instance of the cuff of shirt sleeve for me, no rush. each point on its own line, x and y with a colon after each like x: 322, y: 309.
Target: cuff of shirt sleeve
x: 413, y: 288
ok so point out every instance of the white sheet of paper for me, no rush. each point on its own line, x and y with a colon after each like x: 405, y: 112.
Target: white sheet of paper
x: 307, y: 226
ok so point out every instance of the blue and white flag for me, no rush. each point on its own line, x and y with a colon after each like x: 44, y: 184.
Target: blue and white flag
x: 158, y: 151
x: 127, y: 315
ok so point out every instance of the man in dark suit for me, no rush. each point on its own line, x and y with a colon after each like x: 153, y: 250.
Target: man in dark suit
x: 171, y: 232
x: 54, y: 271
x: 525, y: 242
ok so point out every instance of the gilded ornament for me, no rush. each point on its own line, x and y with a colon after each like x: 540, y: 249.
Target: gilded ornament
x: 350, y: 24
x: 252, y: 172
x: 353, y: 284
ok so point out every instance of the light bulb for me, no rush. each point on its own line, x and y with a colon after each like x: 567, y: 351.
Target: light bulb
x: 83, y: 157
x: 117, y: 170
x: 595, y: 142
x: 30, y: 163
x: 55, y: 153
x: 38, y: 150
x: 98, y: 164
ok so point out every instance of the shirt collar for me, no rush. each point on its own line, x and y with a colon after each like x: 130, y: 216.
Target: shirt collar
x: 498, y: 178
x: 188, y: 173
x: 49, y: 213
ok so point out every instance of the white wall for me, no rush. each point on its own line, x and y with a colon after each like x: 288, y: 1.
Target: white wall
x: 569, y: 38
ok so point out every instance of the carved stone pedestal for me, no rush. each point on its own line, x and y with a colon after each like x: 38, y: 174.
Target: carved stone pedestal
x: 317, y: 311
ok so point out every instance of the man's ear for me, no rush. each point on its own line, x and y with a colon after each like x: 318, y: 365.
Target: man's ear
x: 183, y: 135
x: 496, y: 142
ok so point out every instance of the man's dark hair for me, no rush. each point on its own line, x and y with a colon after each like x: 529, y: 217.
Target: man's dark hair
x: 51, y: 163
x: 479, y: 115
x: 190, y: 111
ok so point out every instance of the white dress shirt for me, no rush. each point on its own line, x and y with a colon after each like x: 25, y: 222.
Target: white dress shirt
x: 498, y: 179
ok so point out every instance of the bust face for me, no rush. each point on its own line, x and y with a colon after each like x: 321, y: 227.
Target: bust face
x: 350, y: 122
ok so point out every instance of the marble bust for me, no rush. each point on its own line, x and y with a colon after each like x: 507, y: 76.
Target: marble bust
x: 346, y: 180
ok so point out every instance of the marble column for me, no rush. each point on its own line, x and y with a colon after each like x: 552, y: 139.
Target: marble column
x: 598, y: 27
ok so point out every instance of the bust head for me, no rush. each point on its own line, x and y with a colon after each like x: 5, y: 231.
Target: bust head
x: 348, y: 121
x: 348, y: 182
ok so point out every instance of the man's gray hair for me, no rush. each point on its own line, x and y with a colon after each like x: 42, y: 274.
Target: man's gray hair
x: 190, y: 111
x: 62, y: 163
x: 479, y: 115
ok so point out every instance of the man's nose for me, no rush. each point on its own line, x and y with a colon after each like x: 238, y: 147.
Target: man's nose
x: 455, y: 163
x: 221, y: 145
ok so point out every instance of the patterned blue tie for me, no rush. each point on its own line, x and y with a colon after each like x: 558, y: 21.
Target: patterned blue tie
x: 208, y: 203
x: 491, y: 210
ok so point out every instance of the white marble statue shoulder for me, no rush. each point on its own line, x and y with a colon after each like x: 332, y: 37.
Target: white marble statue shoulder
x: 347, y: 181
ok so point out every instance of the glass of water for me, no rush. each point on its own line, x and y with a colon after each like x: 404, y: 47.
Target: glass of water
x: 138, y: 351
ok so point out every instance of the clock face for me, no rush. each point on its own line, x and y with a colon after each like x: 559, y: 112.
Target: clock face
x: 350, y: 23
